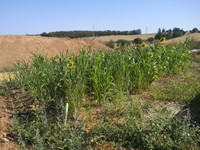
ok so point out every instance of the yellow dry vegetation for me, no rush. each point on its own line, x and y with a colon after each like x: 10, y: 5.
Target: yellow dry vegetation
x: 103, y: 39
x: 6, y: 75
x: 194, y: 36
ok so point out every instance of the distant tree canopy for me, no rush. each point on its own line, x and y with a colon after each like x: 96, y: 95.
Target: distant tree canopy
x: 194, y: 30
x: 151, y: 39
x: 176, y: 32
x: 137, y: 41
x: 122, y: 42
x: 110, y: 44
x: 78, y: 34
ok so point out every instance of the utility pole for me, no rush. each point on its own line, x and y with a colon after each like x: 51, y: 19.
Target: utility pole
x: 93, y: 32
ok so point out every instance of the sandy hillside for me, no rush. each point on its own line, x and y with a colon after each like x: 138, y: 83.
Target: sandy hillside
x: 125, y: 37
x: 15, y: 47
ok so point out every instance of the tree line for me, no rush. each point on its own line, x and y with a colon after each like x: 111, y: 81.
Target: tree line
x: 78, y: 34
x: 172, y: 33
x: 168, y: 34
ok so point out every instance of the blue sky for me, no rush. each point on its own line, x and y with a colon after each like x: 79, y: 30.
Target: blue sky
x: 37, y: 16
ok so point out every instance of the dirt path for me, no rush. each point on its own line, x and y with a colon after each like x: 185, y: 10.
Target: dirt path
x: 6, y: 141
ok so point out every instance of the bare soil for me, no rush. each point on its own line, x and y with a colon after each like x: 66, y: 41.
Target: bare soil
x: 6, y: 141
x: 15, y: 47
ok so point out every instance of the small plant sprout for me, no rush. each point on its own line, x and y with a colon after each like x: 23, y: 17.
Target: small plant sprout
x: 66, y: 112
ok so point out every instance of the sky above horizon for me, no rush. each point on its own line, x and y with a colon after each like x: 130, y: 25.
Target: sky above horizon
x: 34, y: 17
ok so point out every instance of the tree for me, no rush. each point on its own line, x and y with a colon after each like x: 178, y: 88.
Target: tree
x: 137, y: 41
x: 44, y: 34
x: 110, y: 44
x: 158, y: 36
x: 151, y: 39
x: 194, y: 30
x: 159, y: 30
x: 122, y: 42
x: 163, y: 30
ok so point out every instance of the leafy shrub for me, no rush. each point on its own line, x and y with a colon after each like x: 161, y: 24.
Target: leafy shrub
x: 159, y: 132
x: 110, y: 44
x: 122, y: 42
x: 151, y: 39
x: 137, y: 41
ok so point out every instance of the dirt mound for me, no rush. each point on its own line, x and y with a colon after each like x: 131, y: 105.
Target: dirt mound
x: 15, y: 47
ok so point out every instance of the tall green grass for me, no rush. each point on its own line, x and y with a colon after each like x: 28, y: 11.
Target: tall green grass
x: 89, y: 77
x: 96, y: 75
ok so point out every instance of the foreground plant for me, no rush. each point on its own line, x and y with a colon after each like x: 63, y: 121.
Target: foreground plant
x: 90, y: 78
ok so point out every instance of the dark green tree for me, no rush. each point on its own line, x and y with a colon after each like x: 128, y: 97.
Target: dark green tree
x: 163, y: 30
x: 194, y: 30
x: 43, y: 34
x: 137, y: 41
x: 151, y: 39
x: 110, y: 44
x: 159, y: 30
x: 122, y: 42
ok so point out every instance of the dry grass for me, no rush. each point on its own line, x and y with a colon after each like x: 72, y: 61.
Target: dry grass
x: 195, y: 36
x: 103, y: 39
x: 6, y: 75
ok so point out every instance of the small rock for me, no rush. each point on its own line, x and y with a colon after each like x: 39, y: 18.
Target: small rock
x: 4, y: 140
x: 2, y: 134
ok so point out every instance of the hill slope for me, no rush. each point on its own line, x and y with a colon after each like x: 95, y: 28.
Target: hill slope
x: 15, y: 47
x: 195, y: 36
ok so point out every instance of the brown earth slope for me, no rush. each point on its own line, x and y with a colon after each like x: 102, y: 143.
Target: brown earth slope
x: 15, y: 47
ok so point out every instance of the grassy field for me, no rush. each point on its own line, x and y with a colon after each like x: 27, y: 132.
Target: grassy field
x: 144, y: 98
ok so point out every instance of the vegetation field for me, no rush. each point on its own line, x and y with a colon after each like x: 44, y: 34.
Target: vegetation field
x: 127, y: 98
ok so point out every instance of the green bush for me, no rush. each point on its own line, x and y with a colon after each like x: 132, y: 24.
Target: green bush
x: 122, y: 42
x: 137, y: 41
x: 110, y: 44
x: 161, y: 132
